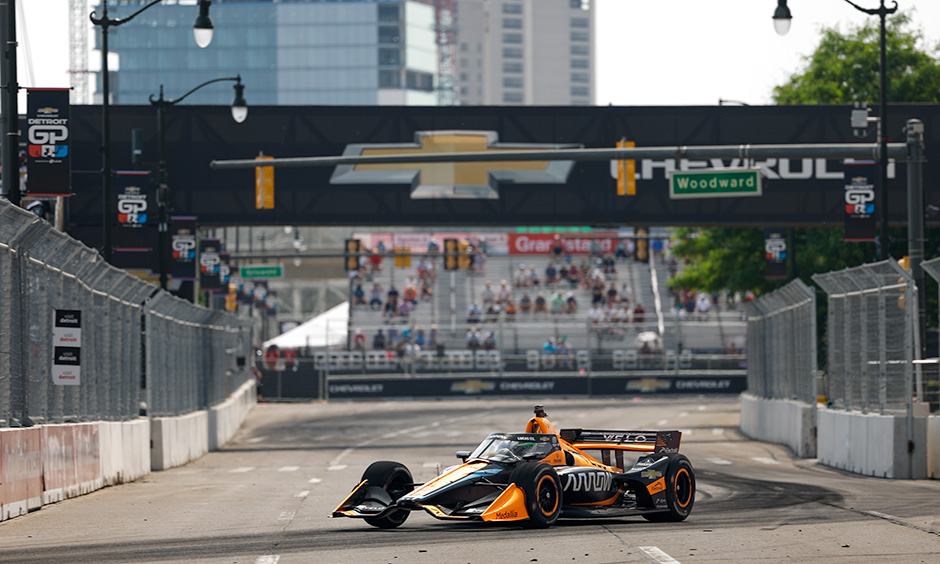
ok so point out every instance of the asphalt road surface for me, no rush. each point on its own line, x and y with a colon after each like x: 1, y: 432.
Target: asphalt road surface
x: 265, y: 498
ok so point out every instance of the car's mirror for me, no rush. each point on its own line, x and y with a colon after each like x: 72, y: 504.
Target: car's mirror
x: 463, y: 455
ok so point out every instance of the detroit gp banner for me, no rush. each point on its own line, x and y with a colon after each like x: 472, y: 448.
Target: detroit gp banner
x: 48, y: 164
x: 183, y: 247
x: 136, y: 236
x: 210, y: 264
x: 860, y: 200
x: 775, y: 252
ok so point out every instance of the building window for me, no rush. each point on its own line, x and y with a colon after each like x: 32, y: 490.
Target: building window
x: 389, y: 13
x: 419, y: 81
x: 389, y: 56
x: 512, y: 38
x: 580, y: 5
x: 580, y: 64
x: 512, y: 53
x: 512, y: 82
x: 464, y: 77
x: 580, y: 91
x: 579, y: 23
x: 580, y: 77
x: 510, y: 66
x: 580, y: 36
x: 512, y: 8
x: 512, y: 97
x: 464, y: 47
x: 512, y: 23
x: 389, y: 34
x: 580, y: 50
x: 389, y: 79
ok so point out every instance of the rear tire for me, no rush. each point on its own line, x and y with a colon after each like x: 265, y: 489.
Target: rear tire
x: 680, y: 491
x: 396, y: 480
x: 543, y: 492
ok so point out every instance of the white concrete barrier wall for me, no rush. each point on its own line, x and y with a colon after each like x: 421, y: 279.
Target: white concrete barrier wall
x: 873, y: 445
x: 933, y: 447
x: 785, y: 422
x: 178, y: 440
x: 227, y: 417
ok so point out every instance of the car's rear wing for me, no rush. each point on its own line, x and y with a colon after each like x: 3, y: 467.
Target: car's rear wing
x: 656, y: 442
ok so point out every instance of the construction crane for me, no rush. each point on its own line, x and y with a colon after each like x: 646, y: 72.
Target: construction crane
x: 78, y: 50
x: 445, y: 12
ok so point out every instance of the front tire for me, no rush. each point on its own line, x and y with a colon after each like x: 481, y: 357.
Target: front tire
x: 396, y: 480
x: 680, y: 491
x: 543, y: 493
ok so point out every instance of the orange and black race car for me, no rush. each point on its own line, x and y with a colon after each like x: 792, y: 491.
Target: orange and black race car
x: 536, y: 477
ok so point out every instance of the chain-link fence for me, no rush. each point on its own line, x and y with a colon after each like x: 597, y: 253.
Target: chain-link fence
x: 871, y: 337
x: 781, y: 342
x: 75, y: 333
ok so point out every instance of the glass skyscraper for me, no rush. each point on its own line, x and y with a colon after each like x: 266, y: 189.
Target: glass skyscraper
x: 288, y: 52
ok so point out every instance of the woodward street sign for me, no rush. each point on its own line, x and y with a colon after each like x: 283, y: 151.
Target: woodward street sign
x: 262, y: 271
x: 715, y: 183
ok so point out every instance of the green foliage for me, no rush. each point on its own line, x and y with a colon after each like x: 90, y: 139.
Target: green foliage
x: 845, y: 68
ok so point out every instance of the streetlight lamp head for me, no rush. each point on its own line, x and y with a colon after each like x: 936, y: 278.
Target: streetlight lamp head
x: 202, y: 29
x: 782, y: 18
x: 239, y: 106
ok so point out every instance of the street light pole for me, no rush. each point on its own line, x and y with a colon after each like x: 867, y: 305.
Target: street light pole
x: 203, y: 25
x: 239, y: 113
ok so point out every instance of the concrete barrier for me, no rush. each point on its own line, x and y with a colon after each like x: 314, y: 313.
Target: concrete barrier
x: 786, y: 422
x: 933, y: 447
x: 20, y: 471
x: 178, y: 440
x: 872, y: 445
x: 227, y: 417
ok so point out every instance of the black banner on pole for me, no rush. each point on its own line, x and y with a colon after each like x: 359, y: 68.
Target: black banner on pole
x: 183, y: 247
x: 860, y: 200
x: 210, y: 262
x: 48, y: 164
x: 775, y: 251
x: 136, y: 236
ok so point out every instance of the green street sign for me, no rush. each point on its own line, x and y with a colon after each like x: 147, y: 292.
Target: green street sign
x: 714, y: 183
x: 262, y: 271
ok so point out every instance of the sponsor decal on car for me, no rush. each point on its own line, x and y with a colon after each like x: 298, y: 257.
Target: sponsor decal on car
x: 651, y: 474
x: 588, y: 482
x: 657, y: 486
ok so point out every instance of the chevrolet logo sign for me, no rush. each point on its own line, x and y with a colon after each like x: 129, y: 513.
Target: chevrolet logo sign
x: 460, y: 180
x: 651, y: 474
x: 472, y: 386
x: 647, y: 385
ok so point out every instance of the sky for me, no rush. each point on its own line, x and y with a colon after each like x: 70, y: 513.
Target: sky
x: 649, y: 52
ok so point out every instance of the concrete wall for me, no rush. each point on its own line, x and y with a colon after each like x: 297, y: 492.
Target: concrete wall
x: 50, y: 463
x: 933, y: 447
x: 873, y: 445
x: 785, y: 422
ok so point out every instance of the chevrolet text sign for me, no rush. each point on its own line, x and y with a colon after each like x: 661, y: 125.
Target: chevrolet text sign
x: 715, y: 183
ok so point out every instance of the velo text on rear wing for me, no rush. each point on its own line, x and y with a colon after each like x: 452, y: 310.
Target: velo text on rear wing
x: 656, y: 442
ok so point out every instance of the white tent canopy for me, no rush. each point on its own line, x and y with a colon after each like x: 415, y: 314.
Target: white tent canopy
x: 325, y: 330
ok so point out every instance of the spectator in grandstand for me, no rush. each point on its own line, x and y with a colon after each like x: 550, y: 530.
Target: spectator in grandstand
x: 563, y: 273
x: 359, y: 341
x: 359, y: 296
x: 474, y: 313
x: 427, y: 290
x: 489, y: 341
x: 574, y: 276
x: 503, y: 293
x: 549, y: 346
x: 391, y: 308
x: 533, y: 277
x: 378, y: 341
x: 703, y: 305
x: 557, y: 247
x: 487, y: 295
x: 392, y: 294
x: 520, y: 280
x: 596, y: 315
x: 597, y: 290
x: 510, y: 310
x: 639, y: 315
x: 540, y: 304
x: 595, y: 248
x: 609, y: 267
x: 410, y: 294
x: 380, y: 247
x: 621, y: 252
x: 432, y: 246
x: 433, y: 337
x: 394, y: 337
x: 612, y: 297
x: 563, y: 353
x: 525, y: 303
x: 473, y: 339
x: 375, y: 260
x: 404, y: 308
x: 375, y: 301
x: 551, y: 274
x: 557, y: 304
x: 571, y: 303
x: 492, y: 313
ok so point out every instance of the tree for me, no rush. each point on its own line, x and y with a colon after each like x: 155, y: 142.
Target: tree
x: 842, y: 69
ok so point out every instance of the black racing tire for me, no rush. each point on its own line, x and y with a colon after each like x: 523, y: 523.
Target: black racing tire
x: 543, y: 493
x: 396, y: 480
x: 680, y: 491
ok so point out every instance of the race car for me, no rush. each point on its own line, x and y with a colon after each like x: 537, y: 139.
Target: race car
x: 536, y: 477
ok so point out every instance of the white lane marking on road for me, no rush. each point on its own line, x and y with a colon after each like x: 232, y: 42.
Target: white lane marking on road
x: 337, y: 467
x: 684, y: 414
x: 662, y: 422
x: 717, y: 431
x: 256, y: 439
x: 288, y: 468
x: 304, y: 493
x: 764, y: 460
x: 701, y: 408
x: 241, y: 470
x: 268, y: 559
x: 720, y: 461
x: 657, y: 555
x: 429, y: 465
x: 286, y: 516
x: 315, y: 480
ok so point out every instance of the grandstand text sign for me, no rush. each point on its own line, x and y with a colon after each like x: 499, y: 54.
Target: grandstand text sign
x: 715, y: 183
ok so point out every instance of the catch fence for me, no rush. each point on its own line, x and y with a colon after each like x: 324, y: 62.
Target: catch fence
x: 871, y: 338
x: 81, y: 340
x: 781, y: 340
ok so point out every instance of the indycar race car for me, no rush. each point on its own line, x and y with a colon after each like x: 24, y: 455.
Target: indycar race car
x: 536, y: 477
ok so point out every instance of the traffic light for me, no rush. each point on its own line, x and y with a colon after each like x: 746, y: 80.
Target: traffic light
x: 353, y: 249
x: 231, y: 299
x: 463, y: 253
x: 450, y: 254
x: 402, y: 257
x: 264, y: 185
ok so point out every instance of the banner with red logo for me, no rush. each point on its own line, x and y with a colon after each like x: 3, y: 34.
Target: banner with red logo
x: 860, y: 200
x: 183, y: 247
x: 573, y: 244
x: 210, y: 264
x: 136, y: 235
x: 48, y: 164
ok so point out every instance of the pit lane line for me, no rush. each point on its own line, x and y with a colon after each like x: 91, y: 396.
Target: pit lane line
x: 655, y: 554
